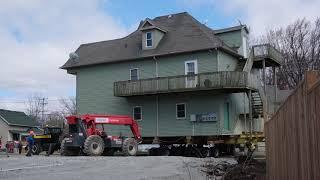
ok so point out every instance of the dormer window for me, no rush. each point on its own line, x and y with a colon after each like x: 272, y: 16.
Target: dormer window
x: 148, y: 39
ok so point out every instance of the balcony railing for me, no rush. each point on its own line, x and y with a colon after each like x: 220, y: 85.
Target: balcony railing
x: 231, y: 80
x: 267, y: 51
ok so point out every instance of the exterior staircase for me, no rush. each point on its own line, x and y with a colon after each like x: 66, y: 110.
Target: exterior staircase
x: 257, y: 104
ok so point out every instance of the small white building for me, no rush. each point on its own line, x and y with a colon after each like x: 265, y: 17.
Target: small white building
x: 14, y: 125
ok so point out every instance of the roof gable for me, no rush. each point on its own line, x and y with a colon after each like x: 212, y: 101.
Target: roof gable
x: 146, y: 23
x: 149, y: 24
x: 17, y: 118
x: 183, y: 34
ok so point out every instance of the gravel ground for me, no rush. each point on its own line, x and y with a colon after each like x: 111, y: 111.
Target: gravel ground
x: 82, y: 167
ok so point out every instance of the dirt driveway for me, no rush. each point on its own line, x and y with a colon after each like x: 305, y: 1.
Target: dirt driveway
x: 97, y: 168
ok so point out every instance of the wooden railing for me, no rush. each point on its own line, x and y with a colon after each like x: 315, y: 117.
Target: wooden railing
x: 267, y: 51
x: 232, y: 80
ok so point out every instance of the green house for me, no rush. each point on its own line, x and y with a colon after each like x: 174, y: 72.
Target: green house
x: 175, y: 76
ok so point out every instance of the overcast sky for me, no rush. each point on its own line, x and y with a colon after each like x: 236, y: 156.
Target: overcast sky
x: 36, y: 36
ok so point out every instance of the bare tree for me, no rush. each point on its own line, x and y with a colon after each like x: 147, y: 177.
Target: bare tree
x: 300, y: 45
x: 68, y: 105
x: 35, y: 106
x: 55, y: 119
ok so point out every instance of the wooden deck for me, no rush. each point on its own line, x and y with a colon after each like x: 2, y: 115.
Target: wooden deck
x: 228, y: 80
x: 268, y: 53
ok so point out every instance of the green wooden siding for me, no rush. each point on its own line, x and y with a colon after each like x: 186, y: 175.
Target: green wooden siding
x: 173, y: 66
x: 199, y: 103
x: 235, y: 101
x: 226, y: 62
x: 95, y: 95
x: 232, y: 38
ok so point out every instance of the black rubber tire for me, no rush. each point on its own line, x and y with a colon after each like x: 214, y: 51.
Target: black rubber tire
x: 205, y: 152
x: 216, y: 152
x: 36, y: 149
x: 164, y: 151
x: 151, y: 152
x: 54, y: 148
x: 64, y: 151
x: 130, y: 147
x: 93, y: 146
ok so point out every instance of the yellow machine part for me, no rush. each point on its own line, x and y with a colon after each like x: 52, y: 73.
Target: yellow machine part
x: 42, y: 136
x: 246, y: 137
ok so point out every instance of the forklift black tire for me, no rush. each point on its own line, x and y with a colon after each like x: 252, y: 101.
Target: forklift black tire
x: 216, y: 152
x: 36, y: 149
x: 53, y: 148
x: 64, y: 151
x: 93, y: 146
x: 130, y: 147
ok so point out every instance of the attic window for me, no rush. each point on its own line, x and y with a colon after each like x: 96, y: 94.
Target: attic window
x: 148, y: 39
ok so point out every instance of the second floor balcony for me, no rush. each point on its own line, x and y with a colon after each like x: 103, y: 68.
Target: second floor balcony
x: 231, y: 81
x: 268, y: 53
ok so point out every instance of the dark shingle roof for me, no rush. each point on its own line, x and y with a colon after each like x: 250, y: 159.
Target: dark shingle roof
x: 17, y: 118
x: 183, y: 34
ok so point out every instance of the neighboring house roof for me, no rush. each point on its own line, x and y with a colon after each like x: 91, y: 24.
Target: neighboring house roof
x: 17, y: 118
x: 183, y: 34
x: 230, y: 29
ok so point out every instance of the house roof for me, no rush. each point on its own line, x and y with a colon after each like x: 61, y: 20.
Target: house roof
x: 229, y: 29
x: 183, y: 34
x: 17, y: 118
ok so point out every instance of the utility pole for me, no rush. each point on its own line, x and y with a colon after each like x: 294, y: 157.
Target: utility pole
x: 43, y: 103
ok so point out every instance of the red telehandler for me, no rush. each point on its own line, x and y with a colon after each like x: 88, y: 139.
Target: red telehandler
x: 86, y: 138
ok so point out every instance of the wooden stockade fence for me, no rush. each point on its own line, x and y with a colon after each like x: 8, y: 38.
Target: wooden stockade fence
x: 293, y: 134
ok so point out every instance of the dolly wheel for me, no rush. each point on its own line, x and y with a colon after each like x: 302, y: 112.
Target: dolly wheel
x: 216, y: 152
x: 130, y: 147
x: 93, y: 146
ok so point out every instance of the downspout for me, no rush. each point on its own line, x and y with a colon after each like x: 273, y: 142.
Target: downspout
x: 157, y: 99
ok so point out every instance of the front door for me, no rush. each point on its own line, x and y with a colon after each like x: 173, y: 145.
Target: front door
x: 191, y: 70
x: 226, y: 123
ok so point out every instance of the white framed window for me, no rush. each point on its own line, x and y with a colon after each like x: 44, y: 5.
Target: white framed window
x: 191, y: 70
x: 134, y: 74
x: 137, y: 113
x: 181, y: 111
x: 148, y: 39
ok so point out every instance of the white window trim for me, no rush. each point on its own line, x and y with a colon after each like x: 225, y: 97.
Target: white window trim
x: 185, y: 111
x: 133, y: 112
x: 138, y: 76
x: 149, y: 39
x: 195, y: 66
